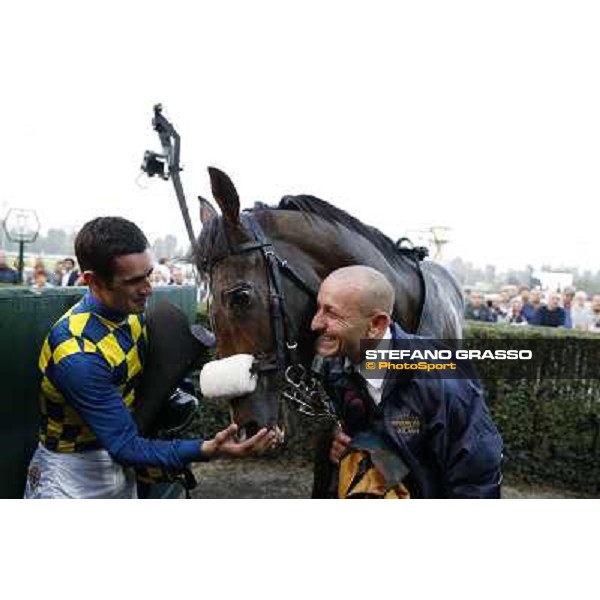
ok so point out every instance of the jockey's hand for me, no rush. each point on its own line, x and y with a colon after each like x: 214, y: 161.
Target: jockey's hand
x: 224, y: 443
x: 339, y: 446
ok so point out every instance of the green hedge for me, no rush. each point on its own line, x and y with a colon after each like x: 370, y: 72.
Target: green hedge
x: 550, y: 427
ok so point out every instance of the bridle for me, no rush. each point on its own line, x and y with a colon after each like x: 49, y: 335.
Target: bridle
x: 285, y: 354
x: 300, y: 386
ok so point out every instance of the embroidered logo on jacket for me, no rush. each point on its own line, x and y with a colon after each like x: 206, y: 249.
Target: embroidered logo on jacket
x: 407, y: 424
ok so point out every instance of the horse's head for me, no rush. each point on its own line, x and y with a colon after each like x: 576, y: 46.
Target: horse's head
x: 247, y: 308
x: 265, y: 267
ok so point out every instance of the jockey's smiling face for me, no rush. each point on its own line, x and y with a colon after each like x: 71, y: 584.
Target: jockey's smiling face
x: 129, y: 288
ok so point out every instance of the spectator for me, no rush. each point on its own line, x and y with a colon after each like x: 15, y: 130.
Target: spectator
x: 524, y: 294
x: 18, y: 269
x: 37, y: 265
x: 595, y: 324
x: 7, y: 275
x: 177, y: 276
x: 69, y: 275
x: 157, y: 278
x: 532, y: 305
x: 476, y: 310
x: 568, y: 295
x: 40, y: 280
x: 56, y: 275
x: 507, y: 294
x: 581, y: 314
x: 552, y: 315
x: 515, y: 316
x: 164, y: 270
x: 498, y: 311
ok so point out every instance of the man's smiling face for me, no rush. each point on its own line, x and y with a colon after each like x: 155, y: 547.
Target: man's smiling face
x: 339, y: 321
x: 129, y: 288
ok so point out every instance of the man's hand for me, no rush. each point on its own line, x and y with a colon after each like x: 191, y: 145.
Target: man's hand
x: 339, y: 446
x: 224, y: 444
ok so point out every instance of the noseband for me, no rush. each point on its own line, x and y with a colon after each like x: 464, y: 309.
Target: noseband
x: 286, y: 344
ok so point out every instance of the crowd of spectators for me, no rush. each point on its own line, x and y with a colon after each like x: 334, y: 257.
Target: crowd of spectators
x: 64, y: 273
x: 512, y: 305
x: 546, y: 308
x: 172, y: 274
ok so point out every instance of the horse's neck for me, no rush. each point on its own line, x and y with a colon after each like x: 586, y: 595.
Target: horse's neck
x: 316, y: 247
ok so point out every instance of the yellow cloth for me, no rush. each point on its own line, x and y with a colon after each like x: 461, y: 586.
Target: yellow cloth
x: 358, y: 478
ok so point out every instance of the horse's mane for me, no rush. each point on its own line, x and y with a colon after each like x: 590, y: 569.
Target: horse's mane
x: 213, y: 241
x: 311, y: 205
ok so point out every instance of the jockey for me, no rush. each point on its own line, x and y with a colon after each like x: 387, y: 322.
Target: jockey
x: 90, y: 363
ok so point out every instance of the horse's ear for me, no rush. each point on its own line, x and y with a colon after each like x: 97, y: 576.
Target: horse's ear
x: 225, y: 195
x: 207, y: 210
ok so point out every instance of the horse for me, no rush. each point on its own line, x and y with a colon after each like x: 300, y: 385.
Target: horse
x: 264, y: 266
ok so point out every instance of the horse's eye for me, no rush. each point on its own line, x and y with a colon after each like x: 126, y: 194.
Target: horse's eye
x: 239, y: 300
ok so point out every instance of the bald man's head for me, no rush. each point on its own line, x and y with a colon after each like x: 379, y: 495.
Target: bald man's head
x: 373, y: 292
x: 353, y: 303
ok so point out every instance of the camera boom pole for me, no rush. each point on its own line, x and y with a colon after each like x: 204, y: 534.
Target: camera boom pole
x: 171, y: 143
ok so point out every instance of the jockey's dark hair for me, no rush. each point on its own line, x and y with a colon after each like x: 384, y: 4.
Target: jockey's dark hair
x: 102, y: 240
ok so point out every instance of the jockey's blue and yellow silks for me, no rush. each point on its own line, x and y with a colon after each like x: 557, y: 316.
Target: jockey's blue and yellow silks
x: 90, y: 364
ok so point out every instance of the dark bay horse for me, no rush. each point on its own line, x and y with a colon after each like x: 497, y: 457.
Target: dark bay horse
x: 264, y: 268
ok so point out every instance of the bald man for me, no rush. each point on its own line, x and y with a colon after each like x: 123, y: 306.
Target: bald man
x: 440, y: 428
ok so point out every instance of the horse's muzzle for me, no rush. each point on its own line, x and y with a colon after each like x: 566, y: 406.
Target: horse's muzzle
x: 251, y: 428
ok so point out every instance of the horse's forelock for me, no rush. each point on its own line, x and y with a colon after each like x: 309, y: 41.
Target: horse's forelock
x: 211, y: 243
x: 216, y: 239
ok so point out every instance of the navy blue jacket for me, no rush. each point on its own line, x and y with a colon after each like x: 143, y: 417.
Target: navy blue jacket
x: 441, y: 428
x: 8, y: 275
x: 549, y: 318
x: 528, y: 311
x: 483, y: 313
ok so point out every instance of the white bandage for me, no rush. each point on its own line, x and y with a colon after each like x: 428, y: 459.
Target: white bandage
x: 228, y: 378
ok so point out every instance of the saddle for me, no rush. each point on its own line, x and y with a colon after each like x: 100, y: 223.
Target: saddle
x: 165, y: 403
x: 174, y: 348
